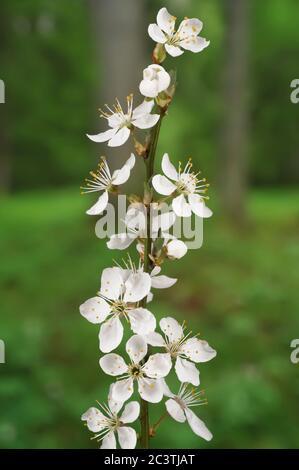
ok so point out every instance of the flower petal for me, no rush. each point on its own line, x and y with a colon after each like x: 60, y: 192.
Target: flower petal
x: 113, y: 364
x: 120, y: 137
x: 162, y: 185
x: 111, y: 334
x: 102, y: 136
x: 171, y: 328
x: 146, y: 121
x: 198, y: 350
x: 154, y: 339
x: 121, y: 241
x: 163, y: 282
x: 100, y: 205
x: 142, y: 320
x: 95, y: 310
x: 112, y: 283
x: 163, y: 78
x: 121, y: 176
x: 168, y: 168
x: 156, y: 34
x: 158, y: 365
x: 131, y: 412
x: 136, y: 347
x: 186, y: 371
x: 131, y: 161
x: 137, y: 287
x: 198, y: 206
x: 95, y: 420
x: 166, y: 390
x: 196, y: 44
x: 114, y: 405
x: 166, y: 21
x: 127, y: 437
x: 181, y: 206
x: 109, y: 441
x: 197, y: 425
x: 149, y: 88
x: 175, y: 410
x: 150, y: 390
x: 173, y: 50
x: 176, y: 249
x: 190, y: 27
x: 142, y: 109
x: 122, y: 389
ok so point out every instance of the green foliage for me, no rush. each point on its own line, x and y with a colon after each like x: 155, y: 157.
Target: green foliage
x: 239, y: 290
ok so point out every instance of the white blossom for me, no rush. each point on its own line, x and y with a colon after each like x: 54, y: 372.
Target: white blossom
x: 145, y: 374
x: 155, y: 80
x: 185, y: 185
x: 105, y: 422
x: 122, y: 123
x: 186, y: 37
x: 183, y: 348
x: 103, y: 181
x: 120, y: 290
x: 178, y: 406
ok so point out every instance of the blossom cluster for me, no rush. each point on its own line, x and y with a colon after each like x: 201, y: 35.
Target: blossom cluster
x: 154, y: 348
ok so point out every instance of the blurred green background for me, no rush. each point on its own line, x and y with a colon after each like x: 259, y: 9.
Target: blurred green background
x: 60, y: 61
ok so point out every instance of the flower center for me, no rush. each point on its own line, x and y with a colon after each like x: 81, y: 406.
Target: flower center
x: 119, y: 307
x: 135, y: 371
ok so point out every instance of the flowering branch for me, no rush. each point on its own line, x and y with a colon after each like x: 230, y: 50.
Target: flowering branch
x: 126, y: 290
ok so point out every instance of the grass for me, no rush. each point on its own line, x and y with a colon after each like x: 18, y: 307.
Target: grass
x: 239, y: 290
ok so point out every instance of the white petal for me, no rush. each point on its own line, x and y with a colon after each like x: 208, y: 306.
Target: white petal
x: 175, y: 410
x: 176, y: 249
x: 196, y: 44
x: 154, y: 339
x: 121, y: 241
x: 198, y: 206
x: 197, y: 425
x: 163, y: 282
x: 168, y: 168
x: 181, y: 207
x: 120, y: 137
x: 156, y: 34
x: 198, y: 350
x: 136, y: 347
x: 100, y: 205
x: 94, y: 418
x: 166, y: 21
x: 127, y: 437
x: 146, y: 121
x: 150, y: 390
x: 115, y: 120
x: 95, y: 310
x: 142, y: 320
x: 163, y: 79
x: 149, y: 88
x: 131, y: 161
x: 190, y: 27
x: 121, y: 176
x: 162, y: 185
x: 113, y: 364
x: 163, y: 221
x: 136, y: 216
x: 130, y: 412
x: 173, y: 50
x: 112, y: 283
x: 137, y: 287
x: 156, y: 270
x: 158, y: 365
x: 186, y: 371
x: 114, y: 405
x: 143, y: 109
x: 109, y: 441
x: 102, y: 136
x: 122, y: 389
x: 111, y: 334
x: 171, y: 328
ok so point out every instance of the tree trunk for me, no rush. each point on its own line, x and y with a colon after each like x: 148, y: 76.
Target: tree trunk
x: 233, y: 165
x: 119, y: 35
